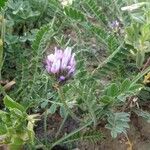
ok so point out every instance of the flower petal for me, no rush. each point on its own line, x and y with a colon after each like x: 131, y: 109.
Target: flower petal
x: 58, y: 53
x: 51, y: 58
x: 71, y: 71
x: 66, y: 58
x: 55, y: 66
x: 72, y: 60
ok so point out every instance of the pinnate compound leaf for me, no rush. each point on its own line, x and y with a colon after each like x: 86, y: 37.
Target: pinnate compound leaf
x: 117, y: 123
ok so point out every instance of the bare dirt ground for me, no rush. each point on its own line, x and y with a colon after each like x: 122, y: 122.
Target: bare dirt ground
x: 138, y: 138
x: 138, y: 135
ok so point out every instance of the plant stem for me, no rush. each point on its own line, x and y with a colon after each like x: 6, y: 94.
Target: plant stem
x: 107, y: 59
x: 129, y: 143
x: 1, y: 42
x: 3, y: 27
x: 45, y: 126
x: 61, y: 126
x: 66, y: 106
x: 40, y: 145
x: 71, y: 134
x: 2, y: 91
x: 140, y: 75
x: 1, y: 57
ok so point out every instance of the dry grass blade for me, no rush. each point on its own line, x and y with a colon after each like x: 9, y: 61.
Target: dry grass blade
x: 9, y: 85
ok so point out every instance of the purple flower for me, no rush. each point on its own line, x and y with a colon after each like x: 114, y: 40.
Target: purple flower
x: 61, y: 64
x: 114, y: 25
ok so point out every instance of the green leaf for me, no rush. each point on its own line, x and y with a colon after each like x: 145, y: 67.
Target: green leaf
x: 106, y: 99
x: 144, y: 114
x: 44, y: 104
x: 101, y: 33
x: 145, y: 31
x: 138, y: 17
x: 2, y: 112
x: 125, y: 85
x: 16, y: 140
x: 16, y: 112
x: 2, y: 3
x: 135, y: 87
x: 112, y: 44
x: 52, y: 109
x: 116, y: 58
x: 3, y: 129
x: 63, y: 112
x: 117, y: 123
x: 15, y: 147
x: 10, y: 103
x: 140, y: 56
x: 39, y: 37
x: 96, y: 10
x: 74, y: 14
x: 132, y: 34
x: 112, y: 90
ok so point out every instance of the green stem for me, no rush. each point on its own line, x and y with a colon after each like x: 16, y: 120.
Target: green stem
x: 1, y: 57
x: 45, y: 126
x: 71, y: 134
x: 40, y: 145
x: 2, y: 91
x: 1, y: 42
x: 3, y: 27
x: 140, y: 75
x: 107, y: 59
x: 66, y: 106
x: 61, y: 126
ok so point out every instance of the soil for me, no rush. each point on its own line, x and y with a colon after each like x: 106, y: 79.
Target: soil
x: 138, y: 136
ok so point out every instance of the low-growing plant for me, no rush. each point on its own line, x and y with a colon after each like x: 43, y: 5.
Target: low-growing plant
x: 74, y: 81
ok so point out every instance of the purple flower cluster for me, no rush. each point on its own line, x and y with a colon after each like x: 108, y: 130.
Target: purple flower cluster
x: 61, y: 63
x: 115, y: 25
